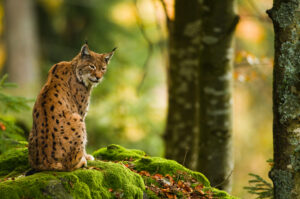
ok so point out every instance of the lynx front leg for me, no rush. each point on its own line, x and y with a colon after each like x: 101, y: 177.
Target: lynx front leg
x: 89, y: 157
x: 80, y: 136
x: 82, y: 163
x: 84, y: 141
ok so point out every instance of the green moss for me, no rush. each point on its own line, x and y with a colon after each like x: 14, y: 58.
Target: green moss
x: 143, y: 163
x: 164, y: 166
x: 129, y: 182
x: 220, y: 194
x: 82, y: 183
x: 14, y: 162
x: 283, y: 180
x: 295, y: 161
x: 154, y: 165
x: 150, y: 195
x: 289, y: 61
x: 100, y: 180
x: 284, y: 16
x: 116, y: 152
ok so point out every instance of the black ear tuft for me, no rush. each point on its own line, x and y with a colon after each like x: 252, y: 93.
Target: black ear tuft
x: 85, y: 50
x: 109, y: 55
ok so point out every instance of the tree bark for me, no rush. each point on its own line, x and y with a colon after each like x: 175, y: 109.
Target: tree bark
x: 182, y: 123
x: 21, y: 42
x: 215, y: 80
x: 199, y: 126
x: 286, y: 99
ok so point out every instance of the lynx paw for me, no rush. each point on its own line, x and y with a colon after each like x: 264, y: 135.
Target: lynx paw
x: 89, y: 157
x: 82, y: 163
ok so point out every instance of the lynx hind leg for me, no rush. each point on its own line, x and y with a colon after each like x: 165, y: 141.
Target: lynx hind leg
x: 75, y: 131
x: 56, y: 167
x: 50, y: 167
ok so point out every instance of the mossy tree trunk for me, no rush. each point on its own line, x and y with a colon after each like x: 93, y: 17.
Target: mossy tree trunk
x: 199, y: 127
x: 285, y: 174
x: 215, y: 159
x: 182, y: 124
x: 21, y: 42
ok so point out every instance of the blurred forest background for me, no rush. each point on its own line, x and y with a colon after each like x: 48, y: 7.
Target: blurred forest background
x: 129, y: 107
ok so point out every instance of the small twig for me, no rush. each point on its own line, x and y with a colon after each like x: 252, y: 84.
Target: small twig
x: 164, y: 5
x: 159, y: 28
x: 186, y: 152
x: 226, y: 179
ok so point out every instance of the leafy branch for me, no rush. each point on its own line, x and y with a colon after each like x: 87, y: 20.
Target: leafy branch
x: 10, y: 133
x: 11, y: 103
x: 260, y: 187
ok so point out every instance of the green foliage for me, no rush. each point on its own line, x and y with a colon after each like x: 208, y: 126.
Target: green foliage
x: 14, y: 161
x: 259, y: 187
x: 10, y: 133
x: 10, y: 103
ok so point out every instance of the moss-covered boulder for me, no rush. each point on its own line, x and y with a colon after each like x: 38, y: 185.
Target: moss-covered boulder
x: 116, y: 173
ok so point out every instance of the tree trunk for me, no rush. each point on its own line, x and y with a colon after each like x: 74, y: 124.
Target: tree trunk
x: 182, y: 123
x: 21, y: 42
x: 199, y: 126
x: 215, y: 159
x: 286, y: 99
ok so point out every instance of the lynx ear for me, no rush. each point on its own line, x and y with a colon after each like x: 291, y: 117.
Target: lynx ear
x: 85, y: 51
x: 109, y: 55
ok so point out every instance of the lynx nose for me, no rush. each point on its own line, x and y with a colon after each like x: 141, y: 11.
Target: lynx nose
x: 98, y: 76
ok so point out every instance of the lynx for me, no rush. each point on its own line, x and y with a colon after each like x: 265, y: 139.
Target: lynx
x: 58, y: 137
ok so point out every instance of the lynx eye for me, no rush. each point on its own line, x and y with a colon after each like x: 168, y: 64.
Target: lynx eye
x: 103, y: 69
x: 92, y: 67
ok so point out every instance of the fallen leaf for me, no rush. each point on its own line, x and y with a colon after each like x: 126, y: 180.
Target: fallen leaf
x: 171, y: 196
x: 2, y: 126
x: 170, y: 178
x: 145, y: 173
x: 157, y: 176
x: 198, y: 187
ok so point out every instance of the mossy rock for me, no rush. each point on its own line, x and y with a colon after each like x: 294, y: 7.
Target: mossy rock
x: 145, y: 163
x: 106, y: 177
x: 142, y: 162
x: 14, y: 162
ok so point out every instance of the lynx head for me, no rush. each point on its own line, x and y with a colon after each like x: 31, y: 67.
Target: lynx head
x: 90, y: 66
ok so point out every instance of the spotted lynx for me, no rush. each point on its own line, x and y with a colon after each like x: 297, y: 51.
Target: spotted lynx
x: 58, y: 136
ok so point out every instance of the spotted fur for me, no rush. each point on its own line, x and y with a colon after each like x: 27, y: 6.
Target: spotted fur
x: 58, y: 137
